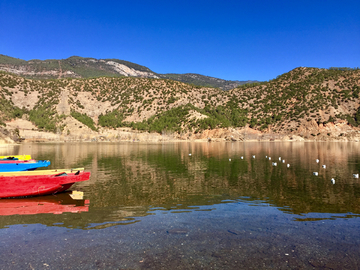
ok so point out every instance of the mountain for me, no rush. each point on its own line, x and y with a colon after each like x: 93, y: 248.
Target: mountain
x: 308, y: 102
x: 206, y: 81
x: 79, y: 67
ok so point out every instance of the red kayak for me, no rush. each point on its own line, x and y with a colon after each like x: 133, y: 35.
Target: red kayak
x: 34, y: 185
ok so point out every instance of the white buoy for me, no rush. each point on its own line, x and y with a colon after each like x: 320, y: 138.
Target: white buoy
x: 274, y: 164
x: 265, y: 156
x: 269, y: 158
x: 253, y: 156
x: 242, y: 157
x: 189, y: 154
x: 283, y: 161
x: 279, y: 158
x: 324, y: 166
x: 356, y: 175
x: 333, y: 181
x: 315, y: 173
x: 229, y: 159
x: 288, y: 165
x: 317, y: 161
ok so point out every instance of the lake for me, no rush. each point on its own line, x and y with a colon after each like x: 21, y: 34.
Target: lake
x: 190, y: 206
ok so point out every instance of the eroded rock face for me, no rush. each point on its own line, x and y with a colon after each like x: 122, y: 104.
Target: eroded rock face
x: 329, y: 131
x: 27, y: 101
x: 26, y: 71
x: 127, y: 71
x: 8, y: 136
x: 63, y: 107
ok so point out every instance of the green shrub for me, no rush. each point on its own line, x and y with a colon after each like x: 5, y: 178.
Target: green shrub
x: 112, y: 119
x: 83, y: 118
x: 44, y: 118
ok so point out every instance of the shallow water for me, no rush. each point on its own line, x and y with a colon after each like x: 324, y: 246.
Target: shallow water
x: 155, y: 206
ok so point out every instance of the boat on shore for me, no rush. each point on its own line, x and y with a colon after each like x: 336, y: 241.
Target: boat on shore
x: 23, y: 185
x: 42, y: 172
x: 22, y: 165
x: 16, y: 157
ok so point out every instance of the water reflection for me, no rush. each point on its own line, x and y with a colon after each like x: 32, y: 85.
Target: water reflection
x: 130, y: 181
x: 56, y: 204
x: 49, y: 210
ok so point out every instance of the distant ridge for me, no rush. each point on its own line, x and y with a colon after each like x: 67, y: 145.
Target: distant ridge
x: 81, y: 67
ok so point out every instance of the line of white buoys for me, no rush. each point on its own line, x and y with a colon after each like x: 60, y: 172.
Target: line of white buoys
x: 275, y: 163
x: 355, y: 175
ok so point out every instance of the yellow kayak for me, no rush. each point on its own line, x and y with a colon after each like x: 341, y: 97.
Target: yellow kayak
x: 19, y: 157
x: 41, y: 172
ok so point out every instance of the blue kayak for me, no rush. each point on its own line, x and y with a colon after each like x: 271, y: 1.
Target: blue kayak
x: 16, y: 166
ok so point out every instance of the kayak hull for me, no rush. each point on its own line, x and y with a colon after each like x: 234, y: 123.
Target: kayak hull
x: 13, y: 166
x: 35, y: 185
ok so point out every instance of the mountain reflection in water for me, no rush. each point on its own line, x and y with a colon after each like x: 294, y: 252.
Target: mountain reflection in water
x: 133, y: 180
x: 155, y: 206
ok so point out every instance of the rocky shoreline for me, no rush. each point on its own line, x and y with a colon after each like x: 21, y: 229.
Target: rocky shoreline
x: 24, y: 131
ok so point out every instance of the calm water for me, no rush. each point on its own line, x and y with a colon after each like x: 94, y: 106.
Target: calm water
x: 155, y: 206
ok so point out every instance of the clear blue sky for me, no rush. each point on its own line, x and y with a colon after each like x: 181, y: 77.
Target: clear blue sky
x: 233, y: 40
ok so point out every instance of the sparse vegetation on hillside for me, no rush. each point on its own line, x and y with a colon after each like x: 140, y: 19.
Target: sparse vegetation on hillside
x: 156, y: 105
x: 302, y: 94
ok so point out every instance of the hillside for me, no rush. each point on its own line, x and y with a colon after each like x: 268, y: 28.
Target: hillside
x: 308, y: 102
x: 80, y: 67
